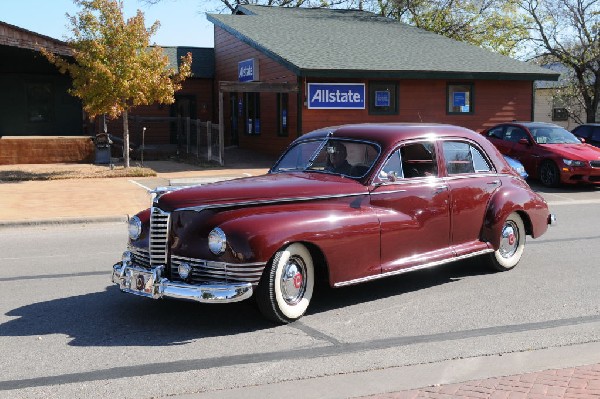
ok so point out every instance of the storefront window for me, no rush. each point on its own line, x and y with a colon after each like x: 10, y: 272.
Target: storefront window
x: 460, y: 99
x: 282, y: 114
x: 252, y: 114
x: 383, y: 98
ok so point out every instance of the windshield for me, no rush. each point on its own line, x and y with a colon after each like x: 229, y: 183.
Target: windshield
x: 342, y: 157
x: 553, y: 135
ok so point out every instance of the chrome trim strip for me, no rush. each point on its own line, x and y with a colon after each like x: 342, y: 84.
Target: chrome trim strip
x: 200, y: 208
x: 410, y: 269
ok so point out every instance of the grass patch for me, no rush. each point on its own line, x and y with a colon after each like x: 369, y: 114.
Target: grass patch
x: 60, y: 172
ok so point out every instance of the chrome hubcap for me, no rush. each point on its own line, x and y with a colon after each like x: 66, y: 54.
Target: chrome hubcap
x: 293, y: 280
x: 509, y: 241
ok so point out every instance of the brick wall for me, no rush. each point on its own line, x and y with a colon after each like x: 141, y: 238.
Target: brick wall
x: 28, y: 150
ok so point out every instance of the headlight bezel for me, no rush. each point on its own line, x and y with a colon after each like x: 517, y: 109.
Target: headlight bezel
x: 134, y: 228
x: 217, y: 241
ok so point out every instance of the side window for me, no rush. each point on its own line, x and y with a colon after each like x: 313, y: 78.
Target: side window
x: 392, y: 170
x: 418, y: 160
x: 514, y: 134
x: 464, y: 158
x: 496, y: 132
x: 410, y: 161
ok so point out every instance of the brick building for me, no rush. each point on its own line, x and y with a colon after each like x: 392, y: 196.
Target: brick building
x: 399, y: 73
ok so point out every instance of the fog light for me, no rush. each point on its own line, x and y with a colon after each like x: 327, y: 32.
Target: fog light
x: 184, y: 270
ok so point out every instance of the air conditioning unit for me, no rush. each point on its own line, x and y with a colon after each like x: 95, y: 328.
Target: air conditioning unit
x: 560, y: 114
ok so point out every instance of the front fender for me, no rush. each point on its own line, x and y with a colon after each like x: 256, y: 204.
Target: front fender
x: 345, y: 230
x: 532, y: 208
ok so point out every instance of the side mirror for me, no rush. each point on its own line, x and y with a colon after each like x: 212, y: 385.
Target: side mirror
x: 523, y: 141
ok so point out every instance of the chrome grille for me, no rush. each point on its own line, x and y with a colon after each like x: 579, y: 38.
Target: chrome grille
x: 204, y: 271
x: 595, y: 164
x: 159, y: 234
x: 140, y: 257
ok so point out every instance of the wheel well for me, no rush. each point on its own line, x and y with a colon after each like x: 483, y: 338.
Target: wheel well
x: 319, y: 262
x: 527, y: 222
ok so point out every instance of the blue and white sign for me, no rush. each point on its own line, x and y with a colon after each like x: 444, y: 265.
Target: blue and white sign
x: 382, y: 98
x: 248, y: 70
x: 336, y: 96
x: 459, y: 99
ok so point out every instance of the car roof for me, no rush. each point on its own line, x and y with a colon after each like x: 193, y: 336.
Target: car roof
x: 388, y: 134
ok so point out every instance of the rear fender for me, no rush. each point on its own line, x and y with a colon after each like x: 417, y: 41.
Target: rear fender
x: 532, y: 208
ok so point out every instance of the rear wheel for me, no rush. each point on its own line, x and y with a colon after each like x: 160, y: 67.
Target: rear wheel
x: 286, y: 287
x: 549, y: 174
x: 512, y: 244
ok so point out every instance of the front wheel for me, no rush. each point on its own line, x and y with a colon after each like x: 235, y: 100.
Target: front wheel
x: 549, y: 174
x: 286, y: 287
x: 512, y: 244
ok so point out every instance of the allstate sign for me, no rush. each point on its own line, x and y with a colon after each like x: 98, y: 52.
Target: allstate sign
x: 336, y: 96
x: 248, y: 70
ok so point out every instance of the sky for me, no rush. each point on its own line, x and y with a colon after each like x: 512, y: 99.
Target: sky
x: 182, y: 23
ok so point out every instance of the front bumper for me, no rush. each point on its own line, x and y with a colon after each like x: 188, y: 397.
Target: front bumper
x: 150, y: 283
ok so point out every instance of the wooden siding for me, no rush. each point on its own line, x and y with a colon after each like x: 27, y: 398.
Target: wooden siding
x: 228, y: 52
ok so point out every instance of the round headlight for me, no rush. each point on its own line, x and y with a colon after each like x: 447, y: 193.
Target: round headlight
x: 217, y: 241
x: 135, y: 228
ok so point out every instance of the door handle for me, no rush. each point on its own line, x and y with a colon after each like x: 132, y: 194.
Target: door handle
x: 495, y: 182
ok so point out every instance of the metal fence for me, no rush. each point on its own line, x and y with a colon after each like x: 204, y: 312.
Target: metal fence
x: 192, y: 136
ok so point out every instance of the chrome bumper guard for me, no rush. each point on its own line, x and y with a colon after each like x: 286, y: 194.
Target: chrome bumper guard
x: 150, y: 283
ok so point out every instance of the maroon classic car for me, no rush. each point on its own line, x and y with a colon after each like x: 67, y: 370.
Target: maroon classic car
x: 344, y: 204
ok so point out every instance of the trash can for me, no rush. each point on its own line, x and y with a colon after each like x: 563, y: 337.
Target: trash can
x: 103, y: 143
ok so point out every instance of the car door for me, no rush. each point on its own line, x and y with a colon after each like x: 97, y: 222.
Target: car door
x: 471, y: 180
x: 411, y: 202
x: 497, y: 136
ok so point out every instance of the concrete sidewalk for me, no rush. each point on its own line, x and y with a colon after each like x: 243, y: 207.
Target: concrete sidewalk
x: 106, y: 199
x: 565, y: 372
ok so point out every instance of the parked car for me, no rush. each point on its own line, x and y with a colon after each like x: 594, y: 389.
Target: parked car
x: 548, y: 152
x: 589, y: 132
x: 346, y: 205
x: 517, y: 166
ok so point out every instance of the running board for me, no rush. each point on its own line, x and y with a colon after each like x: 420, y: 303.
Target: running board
x: 410, y: 269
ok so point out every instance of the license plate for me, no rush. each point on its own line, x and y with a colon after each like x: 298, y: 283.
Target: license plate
x: 142, y: 282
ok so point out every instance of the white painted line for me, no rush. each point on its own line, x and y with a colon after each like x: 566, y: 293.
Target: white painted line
x: 140, y: 185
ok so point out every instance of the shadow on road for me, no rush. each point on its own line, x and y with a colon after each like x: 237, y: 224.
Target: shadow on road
x: 110, y: 318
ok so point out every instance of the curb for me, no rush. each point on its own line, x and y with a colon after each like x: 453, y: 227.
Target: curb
x: 64, y: 221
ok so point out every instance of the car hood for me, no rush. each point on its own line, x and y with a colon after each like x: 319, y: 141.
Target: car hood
x: 261, y: 189
x: 574, y: 151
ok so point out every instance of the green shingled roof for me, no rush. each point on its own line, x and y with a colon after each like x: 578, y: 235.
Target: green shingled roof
x: 350, y: 43
x: 203, y: 60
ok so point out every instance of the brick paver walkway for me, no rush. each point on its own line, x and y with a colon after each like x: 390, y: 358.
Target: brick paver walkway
x: 577, y: 382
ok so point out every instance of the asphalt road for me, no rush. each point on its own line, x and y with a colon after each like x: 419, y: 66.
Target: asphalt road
x: 65, y: 331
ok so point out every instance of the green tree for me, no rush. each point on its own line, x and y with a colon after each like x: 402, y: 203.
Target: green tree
x: 568, y: 32
x: 492, y: 24
x: 114, y: 67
